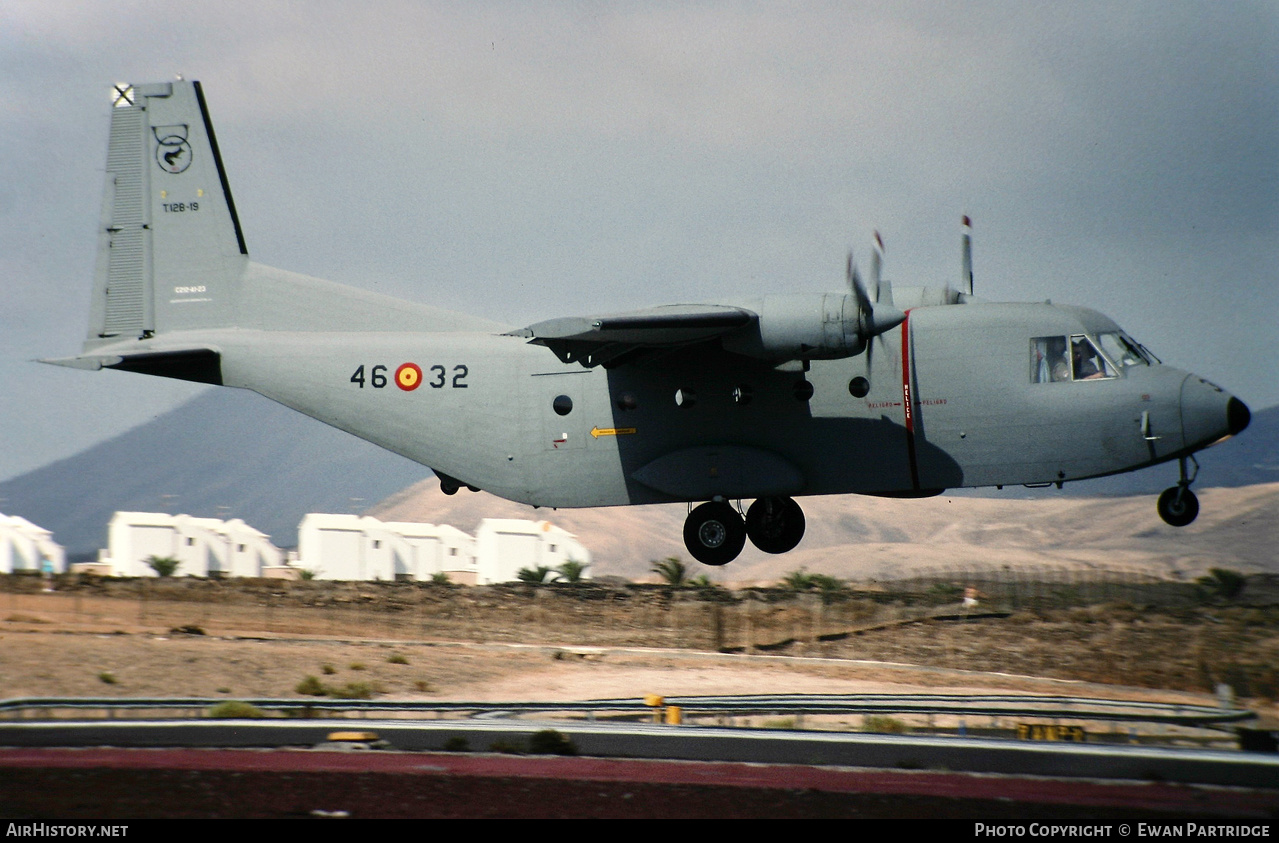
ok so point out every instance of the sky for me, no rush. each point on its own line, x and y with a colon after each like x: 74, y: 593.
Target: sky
x: 524, y: 161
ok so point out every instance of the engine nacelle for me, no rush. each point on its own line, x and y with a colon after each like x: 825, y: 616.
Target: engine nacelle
x: 806, y: 326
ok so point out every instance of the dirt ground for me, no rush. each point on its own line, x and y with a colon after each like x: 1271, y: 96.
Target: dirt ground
x: 267, y: 640
x: 539, y: 645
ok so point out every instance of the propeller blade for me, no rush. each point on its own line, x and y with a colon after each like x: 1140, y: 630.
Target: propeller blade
x: 966, y: 282
x: 876, y: 265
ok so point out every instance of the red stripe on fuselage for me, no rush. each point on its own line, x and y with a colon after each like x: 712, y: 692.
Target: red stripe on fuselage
x: 908, y: 403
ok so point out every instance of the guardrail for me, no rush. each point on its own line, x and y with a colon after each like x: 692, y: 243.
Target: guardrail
x: 1039, y: 707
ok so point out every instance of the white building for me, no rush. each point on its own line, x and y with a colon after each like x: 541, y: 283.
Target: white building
x: 24, y: 546
x: 505, y: 545
x: 360, y: 547
x: 204, y: 546
x: 355, y: 547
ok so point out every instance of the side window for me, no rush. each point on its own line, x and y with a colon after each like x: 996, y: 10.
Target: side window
x: 1087, y: 364
x: 1048, y: 360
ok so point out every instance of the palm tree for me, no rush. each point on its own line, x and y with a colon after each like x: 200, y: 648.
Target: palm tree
x: 671, y: 570
x: 536, y: 574
x: 571, y: 570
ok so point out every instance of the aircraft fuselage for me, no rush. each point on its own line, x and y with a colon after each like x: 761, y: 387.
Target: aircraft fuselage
x: 952, y: 402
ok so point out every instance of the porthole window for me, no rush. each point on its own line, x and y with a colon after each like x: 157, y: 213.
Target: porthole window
x: 562, y: 405
x: 685, y: 398
x: 803, y: 390
x: 742, y: 394
x: 859, y: 387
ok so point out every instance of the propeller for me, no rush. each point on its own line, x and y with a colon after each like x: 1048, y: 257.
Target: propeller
x: 876, y: 313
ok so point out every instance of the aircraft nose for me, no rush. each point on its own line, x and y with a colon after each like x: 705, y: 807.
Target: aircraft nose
x: 1237, y: 415
x: 1209, y: 413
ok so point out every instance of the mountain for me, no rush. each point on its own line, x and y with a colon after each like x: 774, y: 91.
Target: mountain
x: 231, y: 453
x: 227, y: 453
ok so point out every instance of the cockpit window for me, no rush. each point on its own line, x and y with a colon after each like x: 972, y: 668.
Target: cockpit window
x: 1085, y: 363
x: 1063, y: 359
x: 1123, y: 350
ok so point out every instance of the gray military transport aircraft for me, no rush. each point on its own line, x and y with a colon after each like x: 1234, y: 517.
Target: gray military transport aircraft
x: 873, y: 391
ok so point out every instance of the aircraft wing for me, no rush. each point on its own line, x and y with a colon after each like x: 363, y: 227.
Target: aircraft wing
x: 608, y: 340
x: 779, y: 328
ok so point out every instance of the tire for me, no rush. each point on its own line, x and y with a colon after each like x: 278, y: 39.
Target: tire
x: 775, y: 525
x: 714, y: 533
x: 1178, y: 506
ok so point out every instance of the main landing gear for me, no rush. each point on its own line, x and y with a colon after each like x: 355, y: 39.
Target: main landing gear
x: 715, y: 533
x: 1178, y: 505
x: 450, y: 485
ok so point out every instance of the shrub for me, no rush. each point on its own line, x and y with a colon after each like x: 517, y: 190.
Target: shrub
x: 311, y: 687
x: 551, y: 742
x: 328, y: 670
x: 457, y: 744
x: 884, y: 724
x: 106, y: 677
x: 1223, y: 583
x: 164, y: 566
x: 353, y: 691
x: 397, y: 658
x: 236, y: 710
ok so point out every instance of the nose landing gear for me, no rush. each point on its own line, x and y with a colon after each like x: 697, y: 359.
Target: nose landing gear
x: 1178, y: 505
x: 715, y: 533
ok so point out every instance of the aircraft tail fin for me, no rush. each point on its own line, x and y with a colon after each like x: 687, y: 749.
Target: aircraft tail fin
x: 171, y: 254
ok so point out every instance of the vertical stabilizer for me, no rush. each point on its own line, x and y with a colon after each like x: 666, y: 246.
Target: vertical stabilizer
x: 170, y: 251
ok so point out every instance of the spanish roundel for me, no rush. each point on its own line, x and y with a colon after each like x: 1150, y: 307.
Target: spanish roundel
x: 408, y: 377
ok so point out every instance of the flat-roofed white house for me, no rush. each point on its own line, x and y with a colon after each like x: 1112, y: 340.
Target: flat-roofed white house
x: 360, y: 547
x: 24, y: 547
x: 431, y: 549
x: 505, y: 545
x: 204, y: 547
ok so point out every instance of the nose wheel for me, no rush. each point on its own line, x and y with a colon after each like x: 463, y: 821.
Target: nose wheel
x: 1178, y: 505
x: 714, y: 533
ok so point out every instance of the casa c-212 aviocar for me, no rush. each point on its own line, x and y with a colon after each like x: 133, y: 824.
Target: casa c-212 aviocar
x: 869, y: 390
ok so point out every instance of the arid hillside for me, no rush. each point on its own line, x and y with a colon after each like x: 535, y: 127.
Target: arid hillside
x: 863, y: 538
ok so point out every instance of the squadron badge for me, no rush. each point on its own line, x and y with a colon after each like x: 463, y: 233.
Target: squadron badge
x: 172, y: 151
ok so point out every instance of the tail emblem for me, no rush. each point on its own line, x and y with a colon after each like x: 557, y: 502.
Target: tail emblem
x: 172, y: 152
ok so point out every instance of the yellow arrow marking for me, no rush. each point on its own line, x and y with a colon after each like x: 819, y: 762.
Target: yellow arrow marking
x: 597, y: 432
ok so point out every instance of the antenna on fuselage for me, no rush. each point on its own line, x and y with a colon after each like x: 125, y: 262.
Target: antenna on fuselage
x: 966, y: 283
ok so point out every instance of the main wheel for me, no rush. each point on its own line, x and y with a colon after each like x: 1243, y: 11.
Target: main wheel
x: 775, y: 525
x: 1178, y: 506
x: 714, y: 533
